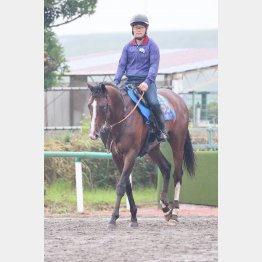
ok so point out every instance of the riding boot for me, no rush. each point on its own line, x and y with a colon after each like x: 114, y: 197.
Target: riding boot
x: 162, y: 133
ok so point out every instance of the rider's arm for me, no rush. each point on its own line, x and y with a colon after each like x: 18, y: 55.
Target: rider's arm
x: 154, y: 63
x: 121, y: 66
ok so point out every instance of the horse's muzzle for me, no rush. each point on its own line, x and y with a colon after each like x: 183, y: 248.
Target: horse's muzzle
x: 94, y: 135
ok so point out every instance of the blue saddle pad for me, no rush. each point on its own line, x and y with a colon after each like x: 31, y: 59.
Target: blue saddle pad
x: 169, y: 113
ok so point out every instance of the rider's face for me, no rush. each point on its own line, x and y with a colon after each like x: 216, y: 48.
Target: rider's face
x: 139, y: 30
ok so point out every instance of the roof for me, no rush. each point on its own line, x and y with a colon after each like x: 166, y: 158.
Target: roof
x: 171, y: 61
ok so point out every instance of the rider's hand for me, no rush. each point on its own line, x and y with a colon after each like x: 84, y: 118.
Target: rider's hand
x: 143, y: 86
x: 115, y: 83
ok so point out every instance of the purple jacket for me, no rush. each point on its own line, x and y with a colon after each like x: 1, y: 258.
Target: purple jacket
x: 139, y: 61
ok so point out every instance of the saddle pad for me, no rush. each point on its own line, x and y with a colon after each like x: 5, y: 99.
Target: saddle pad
x: 169, y: 113
x: 143, y: 109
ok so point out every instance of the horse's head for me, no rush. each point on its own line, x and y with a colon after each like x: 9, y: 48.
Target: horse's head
x: 98, y: 107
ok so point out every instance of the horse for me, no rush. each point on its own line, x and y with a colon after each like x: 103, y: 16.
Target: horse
x: 111, y: 109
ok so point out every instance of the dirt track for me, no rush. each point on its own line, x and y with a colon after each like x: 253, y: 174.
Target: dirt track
x: 86, y: 238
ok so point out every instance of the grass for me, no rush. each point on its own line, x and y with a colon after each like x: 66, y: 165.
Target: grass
x: 60, y: 198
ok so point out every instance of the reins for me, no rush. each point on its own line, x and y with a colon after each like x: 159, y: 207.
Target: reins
x: 129, y: 114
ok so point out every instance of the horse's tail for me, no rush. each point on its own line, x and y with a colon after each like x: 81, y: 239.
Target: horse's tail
x: 189, y: 157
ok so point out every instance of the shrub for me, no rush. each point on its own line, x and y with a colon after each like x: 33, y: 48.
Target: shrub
x: 97, y: 173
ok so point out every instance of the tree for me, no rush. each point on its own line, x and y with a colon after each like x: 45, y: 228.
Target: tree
x: 54, y: 60
x: 58, y: 13
x: 66, y: 11
x: 212, y: 109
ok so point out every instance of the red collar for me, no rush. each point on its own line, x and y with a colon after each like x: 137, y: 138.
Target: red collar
x: 144, y: 42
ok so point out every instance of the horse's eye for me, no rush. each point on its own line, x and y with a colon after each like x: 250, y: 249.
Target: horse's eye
x: 103, y: 108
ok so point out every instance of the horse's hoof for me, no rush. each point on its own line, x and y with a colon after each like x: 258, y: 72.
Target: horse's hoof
x: 173, y: 220
x: 168, y: 215
x: 174, y: 217
x: 111, y: 226
x: 133, y: 224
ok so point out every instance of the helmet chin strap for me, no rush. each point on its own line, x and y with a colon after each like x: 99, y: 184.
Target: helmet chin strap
x: 141, y: 37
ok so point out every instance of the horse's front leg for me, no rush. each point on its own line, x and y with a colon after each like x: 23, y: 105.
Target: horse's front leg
x: 129, y: 161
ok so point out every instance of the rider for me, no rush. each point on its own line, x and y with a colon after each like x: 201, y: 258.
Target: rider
x: 140, y: 61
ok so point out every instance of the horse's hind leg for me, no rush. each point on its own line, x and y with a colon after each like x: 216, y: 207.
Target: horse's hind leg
x: 133, y: 208
x: 165, y: 168
x: 177, y: 146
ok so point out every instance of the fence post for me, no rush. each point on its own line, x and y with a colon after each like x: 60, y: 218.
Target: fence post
x: 210, y: 138
x: 193, y: 108
x: 79, y: 185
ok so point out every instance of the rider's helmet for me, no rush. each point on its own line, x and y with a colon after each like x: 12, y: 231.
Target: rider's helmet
x: 139, y: 19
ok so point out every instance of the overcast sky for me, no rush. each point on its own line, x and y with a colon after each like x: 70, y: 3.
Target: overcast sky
x: 114, y: 16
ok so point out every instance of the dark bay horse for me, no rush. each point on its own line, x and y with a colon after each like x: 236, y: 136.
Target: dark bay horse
x: 108, y: 107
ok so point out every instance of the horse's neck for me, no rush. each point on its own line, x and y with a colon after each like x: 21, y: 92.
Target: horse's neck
x: 117, y: 103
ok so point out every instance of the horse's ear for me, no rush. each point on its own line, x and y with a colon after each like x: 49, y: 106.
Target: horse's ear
x: 103, y: 87
x: 90, y: 87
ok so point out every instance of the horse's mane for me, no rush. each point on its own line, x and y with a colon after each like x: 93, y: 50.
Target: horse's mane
x: 98, y: 91
x: 120, y: 89
x: 109, y: 84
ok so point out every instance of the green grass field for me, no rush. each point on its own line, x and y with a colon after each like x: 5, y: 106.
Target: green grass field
x: 60, y: 198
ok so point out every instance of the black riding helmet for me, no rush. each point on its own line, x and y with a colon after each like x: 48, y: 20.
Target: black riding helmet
x: 139, y: 19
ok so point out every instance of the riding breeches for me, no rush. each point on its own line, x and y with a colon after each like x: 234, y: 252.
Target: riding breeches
x: 152, y: 100
x: 151, y: 93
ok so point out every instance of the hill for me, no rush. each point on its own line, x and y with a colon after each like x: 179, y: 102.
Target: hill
x: 75, y: 45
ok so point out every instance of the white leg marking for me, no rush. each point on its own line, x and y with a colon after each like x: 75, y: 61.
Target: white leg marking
x: 162, y: 204
x: 175, y: 211
x: 177, y: 191
x: 93, y: 117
